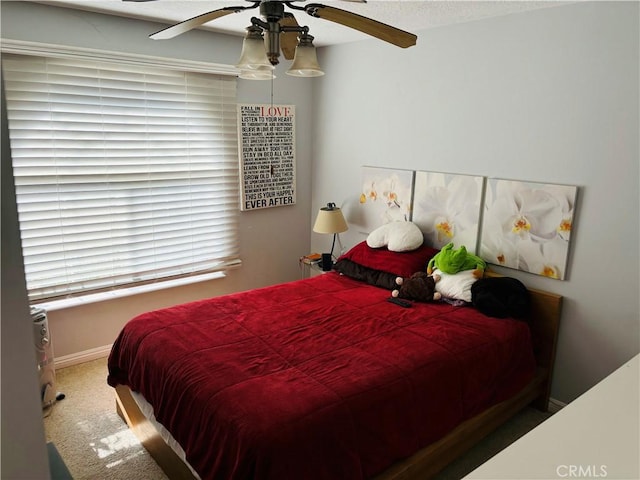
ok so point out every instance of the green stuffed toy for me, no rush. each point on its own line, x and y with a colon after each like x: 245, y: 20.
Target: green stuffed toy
x: 453, y: 261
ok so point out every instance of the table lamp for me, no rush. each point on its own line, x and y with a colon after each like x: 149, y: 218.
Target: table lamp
x: 330, y: 220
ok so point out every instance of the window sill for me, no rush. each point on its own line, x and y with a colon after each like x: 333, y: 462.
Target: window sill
x: 125, y: 292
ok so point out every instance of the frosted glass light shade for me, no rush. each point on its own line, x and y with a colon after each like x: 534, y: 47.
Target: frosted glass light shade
x: 305, y: 62
x: 254, y: 55
x: 330, y: 220
x: 257, y: 74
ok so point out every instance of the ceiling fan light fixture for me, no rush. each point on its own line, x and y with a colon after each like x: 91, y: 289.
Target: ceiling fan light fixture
x: 254, y: 56
x: 278, y: 29
x: 305, y: 61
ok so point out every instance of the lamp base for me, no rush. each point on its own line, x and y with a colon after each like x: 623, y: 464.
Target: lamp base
x: 327, y: 262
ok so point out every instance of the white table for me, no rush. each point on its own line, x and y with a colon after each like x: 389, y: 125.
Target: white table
x: 595, y: 436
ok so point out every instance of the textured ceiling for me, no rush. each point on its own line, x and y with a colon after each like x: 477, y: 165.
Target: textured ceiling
x: 412, y: 16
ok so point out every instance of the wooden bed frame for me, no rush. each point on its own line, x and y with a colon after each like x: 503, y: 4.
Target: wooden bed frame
x: 544, y: 322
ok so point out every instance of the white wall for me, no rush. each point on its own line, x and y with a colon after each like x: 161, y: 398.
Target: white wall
x: 271, y: 240
x: 544, y: 96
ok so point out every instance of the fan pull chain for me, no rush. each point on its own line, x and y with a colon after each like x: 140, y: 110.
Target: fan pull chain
x: 272, y: 77
x: 271, y: 168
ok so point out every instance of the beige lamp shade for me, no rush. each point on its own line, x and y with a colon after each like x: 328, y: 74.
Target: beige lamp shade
x: 330, y: 220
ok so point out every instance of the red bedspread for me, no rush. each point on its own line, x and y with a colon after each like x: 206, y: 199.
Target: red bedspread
x: 316, y: 379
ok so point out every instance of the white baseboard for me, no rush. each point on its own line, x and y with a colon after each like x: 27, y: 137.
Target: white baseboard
x: 556, y: 405
x: 82, y: 357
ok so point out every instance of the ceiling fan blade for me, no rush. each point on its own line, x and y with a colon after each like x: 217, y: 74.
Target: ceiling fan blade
x: 366, y: 25
x: 194, y: 22
x: 288, y: 40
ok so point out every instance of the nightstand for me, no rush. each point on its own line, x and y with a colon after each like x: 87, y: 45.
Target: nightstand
x: 311, y: 269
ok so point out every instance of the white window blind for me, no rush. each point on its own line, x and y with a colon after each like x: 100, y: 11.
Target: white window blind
x: 124, y: 174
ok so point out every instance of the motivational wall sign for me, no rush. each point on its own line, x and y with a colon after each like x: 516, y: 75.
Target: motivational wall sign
x: 267, y: 155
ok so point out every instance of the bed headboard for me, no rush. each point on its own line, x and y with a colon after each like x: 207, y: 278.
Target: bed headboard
x: 544, y: 322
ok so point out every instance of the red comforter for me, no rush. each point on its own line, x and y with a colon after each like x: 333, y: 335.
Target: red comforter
x: 316, y: 379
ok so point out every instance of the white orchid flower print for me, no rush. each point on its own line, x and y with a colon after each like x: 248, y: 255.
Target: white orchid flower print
x: 385, y: 196
x: 447, y: 208
x: 526, y: 212
x: 566, y: 199
x: 528, y: 226
x: 547, y: 259
x: 497, y: 248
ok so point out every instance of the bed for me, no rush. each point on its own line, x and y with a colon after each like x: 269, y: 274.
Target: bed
x: 323, y: 378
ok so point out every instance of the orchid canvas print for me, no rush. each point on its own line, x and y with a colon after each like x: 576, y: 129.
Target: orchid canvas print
x: 446, y: 207
x: 385, y: 197
x: 527, y: 226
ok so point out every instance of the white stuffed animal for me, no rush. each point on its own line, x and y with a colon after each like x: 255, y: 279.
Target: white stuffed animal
x: 396, y: 236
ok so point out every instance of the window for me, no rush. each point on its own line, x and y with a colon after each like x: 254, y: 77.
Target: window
x: 125, y: 174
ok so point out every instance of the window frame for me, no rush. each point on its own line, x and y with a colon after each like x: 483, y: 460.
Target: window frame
x: 77, y: 53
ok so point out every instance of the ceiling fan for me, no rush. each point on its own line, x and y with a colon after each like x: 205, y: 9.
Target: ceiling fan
x: 283, y: 33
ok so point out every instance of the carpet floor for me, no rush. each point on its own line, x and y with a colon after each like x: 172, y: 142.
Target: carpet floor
x: 95, y: 443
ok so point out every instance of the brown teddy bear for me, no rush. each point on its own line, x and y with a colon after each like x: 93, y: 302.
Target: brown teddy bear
x: 419, y: 287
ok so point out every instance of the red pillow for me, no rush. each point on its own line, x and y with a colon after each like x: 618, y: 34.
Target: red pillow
x: 401, y: 264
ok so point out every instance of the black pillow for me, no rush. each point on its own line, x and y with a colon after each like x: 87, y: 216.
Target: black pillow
x: 500, y: 297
